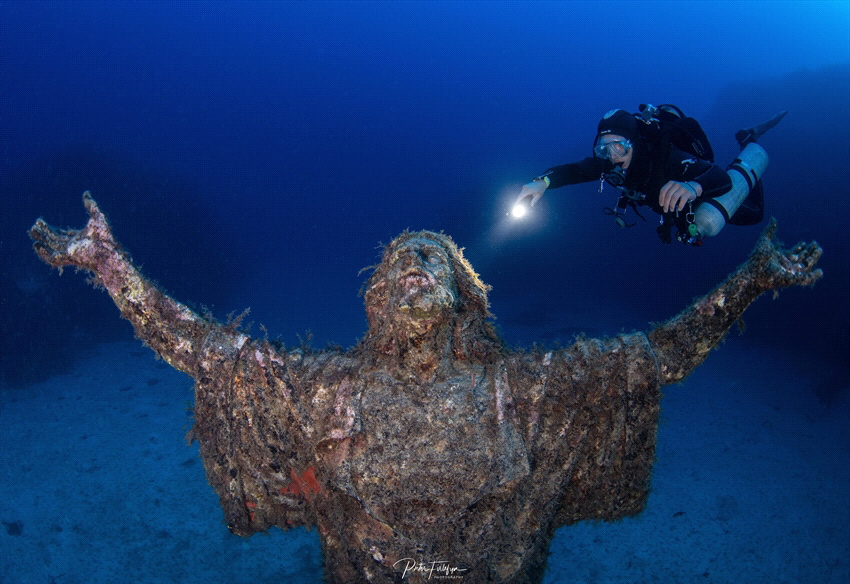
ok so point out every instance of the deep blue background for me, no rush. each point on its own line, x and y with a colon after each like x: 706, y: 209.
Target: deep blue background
x: 255, y: 154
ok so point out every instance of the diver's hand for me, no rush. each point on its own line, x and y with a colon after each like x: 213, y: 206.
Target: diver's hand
x: 675, y: 195
x: 533, y: 190
x: 84, y: 248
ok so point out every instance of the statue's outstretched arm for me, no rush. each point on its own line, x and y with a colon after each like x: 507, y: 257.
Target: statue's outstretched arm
x: 168, y: 327
x: 684, y: 342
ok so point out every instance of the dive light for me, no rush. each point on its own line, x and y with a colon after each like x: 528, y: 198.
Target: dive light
x: 522, y: 207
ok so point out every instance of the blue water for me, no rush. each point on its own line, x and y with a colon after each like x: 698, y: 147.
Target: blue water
x: 256, y: 154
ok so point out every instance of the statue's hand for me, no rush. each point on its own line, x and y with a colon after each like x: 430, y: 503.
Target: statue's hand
x: 774, y: 267
x: 82, y: 248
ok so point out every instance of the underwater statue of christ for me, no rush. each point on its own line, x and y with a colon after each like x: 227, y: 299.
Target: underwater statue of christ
x: 430, y: 448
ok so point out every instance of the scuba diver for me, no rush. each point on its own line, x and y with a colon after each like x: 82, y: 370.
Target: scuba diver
x: 662, y: 159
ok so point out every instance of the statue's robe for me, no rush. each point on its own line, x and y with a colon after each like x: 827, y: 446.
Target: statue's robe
x: 475, y: 470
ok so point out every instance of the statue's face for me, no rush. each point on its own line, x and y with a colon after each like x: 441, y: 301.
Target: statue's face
x: 419, y: 287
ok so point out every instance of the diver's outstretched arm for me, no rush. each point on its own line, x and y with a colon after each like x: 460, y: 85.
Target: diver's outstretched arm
x: 171, y: 329
x: 684, y: 341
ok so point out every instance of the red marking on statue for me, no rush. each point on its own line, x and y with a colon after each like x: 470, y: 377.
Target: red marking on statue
x: 306, y: 484
x: 309, y: 479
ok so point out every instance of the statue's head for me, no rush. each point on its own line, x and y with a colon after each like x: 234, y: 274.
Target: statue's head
x: 425, y: 289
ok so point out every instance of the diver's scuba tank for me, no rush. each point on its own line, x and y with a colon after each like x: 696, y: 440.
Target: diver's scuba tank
x: 745, y: 171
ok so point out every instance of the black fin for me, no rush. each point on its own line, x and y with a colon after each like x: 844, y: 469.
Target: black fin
x: 749, y: 135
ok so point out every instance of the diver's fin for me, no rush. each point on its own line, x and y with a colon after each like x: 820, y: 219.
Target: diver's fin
x: 748, y: 135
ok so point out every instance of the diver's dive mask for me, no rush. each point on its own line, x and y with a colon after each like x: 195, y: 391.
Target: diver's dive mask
x: 617, y: 148
x: 606, y: 149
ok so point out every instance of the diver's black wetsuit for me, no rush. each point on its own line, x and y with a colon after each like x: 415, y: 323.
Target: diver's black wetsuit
x: 649, y: 170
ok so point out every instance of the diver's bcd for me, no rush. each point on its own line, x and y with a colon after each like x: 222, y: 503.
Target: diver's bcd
x: 667, y: 123
x: 745, y: 171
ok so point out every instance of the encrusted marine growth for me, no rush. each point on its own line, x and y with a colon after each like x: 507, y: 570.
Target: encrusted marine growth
x: 430, y: 448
